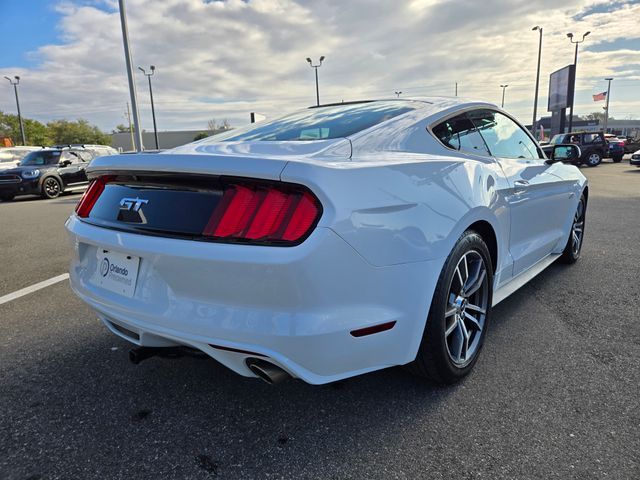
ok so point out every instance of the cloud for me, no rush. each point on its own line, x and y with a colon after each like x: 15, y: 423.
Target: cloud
x: 224, y: 59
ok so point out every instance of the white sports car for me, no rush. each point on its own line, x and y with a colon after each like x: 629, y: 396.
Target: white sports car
x: 335, y: 241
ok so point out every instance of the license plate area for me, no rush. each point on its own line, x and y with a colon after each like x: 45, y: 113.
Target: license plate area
x: 116, y: 272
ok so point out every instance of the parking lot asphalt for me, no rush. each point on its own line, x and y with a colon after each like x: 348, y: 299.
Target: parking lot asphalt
x: 554, y: 395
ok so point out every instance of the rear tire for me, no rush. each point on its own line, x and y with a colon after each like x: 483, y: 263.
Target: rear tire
x: 593, y: 159
x: 51, y: 188
x: 617, y: 159
x: 572, y: 249
x: 459, y: 314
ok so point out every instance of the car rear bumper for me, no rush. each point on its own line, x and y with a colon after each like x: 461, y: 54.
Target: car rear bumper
x: 294, y: 306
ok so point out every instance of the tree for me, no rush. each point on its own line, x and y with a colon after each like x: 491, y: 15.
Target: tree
x: 200, y: 136
x: 35, y: 132
x: 597, y: 116
x: 120, y: 128
x: 80, y: 131
x: 214, y: 127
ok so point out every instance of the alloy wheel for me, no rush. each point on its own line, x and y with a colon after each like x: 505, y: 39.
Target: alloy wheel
x: 467, y: 308
x: 594, y: 159
x: 577, y: 229
x: 52, y: 187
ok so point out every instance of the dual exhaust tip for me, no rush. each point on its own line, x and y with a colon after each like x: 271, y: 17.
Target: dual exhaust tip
x: 264, y: 370
x: 267, y: 371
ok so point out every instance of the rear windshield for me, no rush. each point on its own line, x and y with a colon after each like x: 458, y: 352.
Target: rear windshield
x: 323, y: 122
x: 42, y: 157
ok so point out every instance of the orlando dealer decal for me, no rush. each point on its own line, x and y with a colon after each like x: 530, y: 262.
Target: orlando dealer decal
x: 114, y: 272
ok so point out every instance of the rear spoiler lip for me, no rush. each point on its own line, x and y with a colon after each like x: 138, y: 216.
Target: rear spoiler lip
x: 185, y: 164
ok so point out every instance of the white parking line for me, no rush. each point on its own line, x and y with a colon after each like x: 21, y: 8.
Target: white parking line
x: 33, y: 288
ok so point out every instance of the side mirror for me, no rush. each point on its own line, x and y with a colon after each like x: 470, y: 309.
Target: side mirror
x: 65, y: 163
x: 564, y: 153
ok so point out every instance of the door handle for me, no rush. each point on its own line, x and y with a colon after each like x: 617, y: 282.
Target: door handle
x: 520, y: 186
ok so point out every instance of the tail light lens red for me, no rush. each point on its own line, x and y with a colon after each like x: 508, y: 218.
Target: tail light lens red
x: 264, y: 214
x: 91, y: 195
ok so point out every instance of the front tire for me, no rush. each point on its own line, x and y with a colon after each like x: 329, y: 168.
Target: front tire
x: 51, y: 188
x: 7, y: 197
x: 459, y: 314
x: 572, y: 249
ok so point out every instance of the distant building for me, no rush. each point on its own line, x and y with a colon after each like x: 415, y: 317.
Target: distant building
x: 630, y: 128
x: 169, y: 139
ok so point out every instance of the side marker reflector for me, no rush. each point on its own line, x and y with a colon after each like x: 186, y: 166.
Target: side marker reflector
x: 383, y: 327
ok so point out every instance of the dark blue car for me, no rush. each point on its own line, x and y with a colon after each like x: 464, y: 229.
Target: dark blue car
x: 616, y: 147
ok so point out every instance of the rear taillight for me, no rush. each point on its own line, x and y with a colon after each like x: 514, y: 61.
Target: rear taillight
x: 276, y: 214
x: 91, y: 195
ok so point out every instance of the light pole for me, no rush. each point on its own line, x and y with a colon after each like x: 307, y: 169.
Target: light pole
x: 398, y: 94
x: 153, y: 111
x: 575, y: 74
x: 132, y: 79
x: 456, y: 89
x: 503, y: 87
x: 315, y: 67
x: 535, y: 98
x: 606, y: 107
x: 15, y: 84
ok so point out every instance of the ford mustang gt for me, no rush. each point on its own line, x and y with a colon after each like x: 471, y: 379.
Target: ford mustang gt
x: 328, y: 243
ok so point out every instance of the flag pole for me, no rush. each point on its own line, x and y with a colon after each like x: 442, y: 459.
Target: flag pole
x: 606, y: 107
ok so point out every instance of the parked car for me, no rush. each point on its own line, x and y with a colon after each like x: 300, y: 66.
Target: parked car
x: 616, y: 147
x: 11, y: 156
x: 96, y: 150
x: 332, y: 242
x: 635, y: 159
x: 47, y: 172
x: 631, y: 144
x: 592, y: 145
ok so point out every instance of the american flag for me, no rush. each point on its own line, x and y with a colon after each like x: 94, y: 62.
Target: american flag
x: 600, y: 96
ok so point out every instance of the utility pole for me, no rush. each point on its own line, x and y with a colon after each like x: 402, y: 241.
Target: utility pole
x: 132, y: 80
x: 153, y: 111
x: 535, y: 97
x: 315, y: 67
x: 575, y: 74
x: 15, y: 84
x: 503, y: 87
x: 133, y: 145
x: 606, y: 107
x: 456, y: 89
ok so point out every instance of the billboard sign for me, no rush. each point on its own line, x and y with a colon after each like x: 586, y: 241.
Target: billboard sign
x: 561, y: 88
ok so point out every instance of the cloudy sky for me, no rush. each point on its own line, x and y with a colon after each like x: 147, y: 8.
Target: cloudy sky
x: 224, y: 59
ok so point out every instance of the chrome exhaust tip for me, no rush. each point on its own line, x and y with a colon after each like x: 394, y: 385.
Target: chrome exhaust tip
x: 266, y: 371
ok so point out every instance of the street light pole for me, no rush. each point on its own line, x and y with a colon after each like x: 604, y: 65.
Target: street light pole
x: 503, y: 87
x: 535, y: 98
x: 132, y: 80
x: 15, y: 84
x: 316, y: 69
x: 398, y: 94
x: 153, y: 110
x: 606, y: 107
x: 575, y: 74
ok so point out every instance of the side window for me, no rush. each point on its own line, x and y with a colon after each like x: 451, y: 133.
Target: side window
x: 66, y: 155
x: 592, y: 138
x: 458, y: 133
x: 504, y: 137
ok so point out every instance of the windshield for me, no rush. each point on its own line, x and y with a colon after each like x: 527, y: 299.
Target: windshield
x: 42, y: 157
x: 323, y: 122
x: 557, y: 139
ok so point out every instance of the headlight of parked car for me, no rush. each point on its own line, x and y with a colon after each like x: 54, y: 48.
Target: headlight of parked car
x: 31, y: 173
